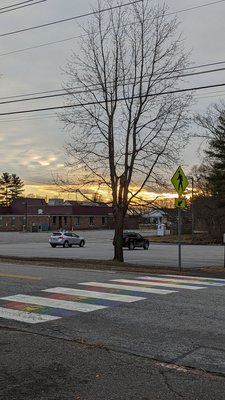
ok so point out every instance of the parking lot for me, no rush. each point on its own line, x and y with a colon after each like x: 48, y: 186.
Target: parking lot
x: 99, y: 247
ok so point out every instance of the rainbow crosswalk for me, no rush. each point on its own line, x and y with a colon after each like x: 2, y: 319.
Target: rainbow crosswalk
x: 55, y: 303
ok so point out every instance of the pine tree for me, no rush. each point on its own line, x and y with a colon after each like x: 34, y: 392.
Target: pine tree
x: 11, y: 187
x: 16, y: 186
x: 216, y: 157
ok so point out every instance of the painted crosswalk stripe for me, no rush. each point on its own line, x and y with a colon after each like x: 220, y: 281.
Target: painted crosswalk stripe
x: 43, y: 301
x: 24, y: 316
x: 183, y: 282
x: 96, y: 295
x: 128, y: 288
x: 34, y: 308
x: 195, y: 278
x: 157, y: 283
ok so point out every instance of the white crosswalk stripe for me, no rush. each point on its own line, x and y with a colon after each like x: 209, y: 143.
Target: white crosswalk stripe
x: 96, y: 295
x: 190, y: 280
x: 60, y: 302
x: 42, y: 301
x: 24, y: 316
x: 192, y: 277
x: 126, y: 287
x: 152, y: 283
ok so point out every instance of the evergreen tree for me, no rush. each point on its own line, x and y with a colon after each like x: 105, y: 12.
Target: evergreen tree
x: 216, y: 157
x: 11, y: 187
x: 16, y: 186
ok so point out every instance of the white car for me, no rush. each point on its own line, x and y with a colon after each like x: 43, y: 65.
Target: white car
x: 66, y: 239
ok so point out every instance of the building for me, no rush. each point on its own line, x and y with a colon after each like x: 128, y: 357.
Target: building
x: 155, y: 217
x: 34, y: 215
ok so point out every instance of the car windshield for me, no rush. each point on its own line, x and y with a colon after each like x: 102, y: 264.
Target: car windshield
x: 56, y: 234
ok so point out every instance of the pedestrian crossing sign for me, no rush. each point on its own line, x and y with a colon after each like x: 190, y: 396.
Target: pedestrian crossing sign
x: 180, y: 203
x: 179, y: 181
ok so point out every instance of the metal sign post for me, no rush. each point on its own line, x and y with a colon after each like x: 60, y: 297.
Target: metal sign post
x: 179, y: 238
x: 224, y: 250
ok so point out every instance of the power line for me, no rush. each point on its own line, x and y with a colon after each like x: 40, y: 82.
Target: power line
x: 75, y: 90
x: 77, y: 37
x: 31, y: 118
x: 80, y: 87
x: 17, y: 6
x: 119, y: 99
x: 200, y: 96
x: 40, y: 45
x: 68, y: 19
x: 195, y: 7
x: 97, y: 12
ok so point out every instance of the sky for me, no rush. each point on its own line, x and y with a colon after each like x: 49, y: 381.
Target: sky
x: 32, y: 145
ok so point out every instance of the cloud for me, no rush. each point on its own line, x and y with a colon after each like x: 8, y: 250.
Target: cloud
x: 32, y: 145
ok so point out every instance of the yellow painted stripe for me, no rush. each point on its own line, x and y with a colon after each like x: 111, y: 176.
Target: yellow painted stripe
x: 31, y: 277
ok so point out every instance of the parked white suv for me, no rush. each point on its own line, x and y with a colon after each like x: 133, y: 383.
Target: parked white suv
x: 66, y: 239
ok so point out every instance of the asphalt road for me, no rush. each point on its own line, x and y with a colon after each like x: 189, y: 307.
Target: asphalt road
x: 99, y: 246
x: 165, y: 341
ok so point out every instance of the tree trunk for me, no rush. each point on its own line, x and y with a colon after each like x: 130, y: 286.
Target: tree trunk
x: 118, y: 238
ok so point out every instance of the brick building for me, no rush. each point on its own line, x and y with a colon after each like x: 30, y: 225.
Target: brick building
x: 36, y: 215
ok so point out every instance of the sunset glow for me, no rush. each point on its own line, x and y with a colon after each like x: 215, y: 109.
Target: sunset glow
x: 52, y: 191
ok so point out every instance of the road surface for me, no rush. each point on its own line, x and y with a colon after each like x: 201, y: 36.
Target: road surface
x: 93, y: 335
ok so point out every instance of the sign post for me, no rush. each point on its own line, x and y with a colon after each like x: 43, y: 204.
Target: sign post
x: 180, y: 182
x: 224, y: 250
x: 179, y: 239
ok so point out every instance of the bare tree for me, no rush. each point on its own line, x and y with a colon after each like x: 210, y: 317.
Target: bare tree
x: 200, y: 179
x: 209, y: 121
x: 128, y: 123
x: 213, y: 135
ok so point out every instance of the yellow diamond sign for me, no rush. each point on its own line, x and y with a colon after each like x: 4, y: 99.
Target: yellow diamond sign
x: 180, y: 203
x: 179, y: 181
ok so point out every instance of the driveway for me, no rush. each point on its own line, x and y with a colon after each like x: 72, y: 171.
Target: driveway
x: 99, y: 247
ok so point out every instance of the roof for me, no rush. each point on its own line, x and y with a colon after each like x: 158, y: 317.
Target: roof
x: 31, y: 206
x: 154, y: 214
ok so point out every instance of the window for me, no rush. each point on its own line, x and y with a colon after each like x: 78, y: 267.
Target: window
x: 77, y: 220
x: 54, y: 219
x: 1, y: 220
x: 104, y: 220
x: 65, y: 220
x: 68, y: 234
x: 23, y: 220
x: 13, y: 220
x: 91, y: 220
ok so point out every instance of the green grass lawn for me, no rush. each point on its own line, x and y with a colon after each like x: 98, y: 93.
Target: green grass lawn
x: 199, y: 238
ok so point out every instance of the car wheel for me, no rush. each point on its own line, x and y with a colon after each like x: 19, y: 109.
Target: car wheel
x: 146, y: 246
x: 82, y: 243
x: 53, y: 245
x: 131, y: 246
x: 66, y: 244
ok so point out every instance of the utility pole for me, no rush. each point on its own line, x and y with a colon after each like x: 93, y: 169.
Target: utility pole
x: 192, y: 209
x: 26, y: 224
x: 26, y: 216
